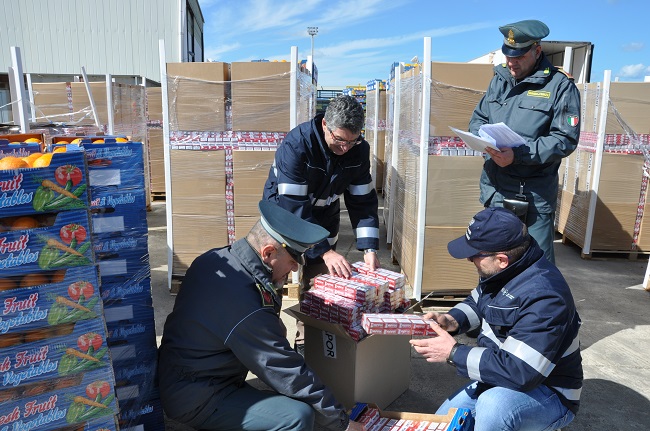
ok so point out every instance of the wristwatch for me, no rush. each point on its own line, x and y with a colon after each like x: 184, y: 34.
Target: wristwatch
x: 450, y: 358
x: 369, y: 250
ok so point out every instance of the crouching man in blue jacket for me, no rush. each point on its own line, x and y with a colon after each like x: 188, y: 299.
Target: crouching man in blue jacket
x: 527, y: 367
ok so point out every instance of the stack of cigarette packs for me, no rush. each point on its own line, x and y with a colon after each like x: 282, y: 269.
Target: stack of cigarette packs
x: 345, y: 300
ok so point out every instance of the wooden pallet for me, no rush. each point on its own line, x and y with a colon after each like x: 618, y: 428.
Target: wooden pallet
x: 606, y: 254
x: 158, y: 196
x: 291, y: 291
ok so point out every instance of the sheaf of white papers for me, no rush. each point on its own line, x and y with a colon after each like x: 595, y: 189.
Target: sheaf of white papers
x: 495, y: 136
x: 474, y: 142
x: 502, y: 135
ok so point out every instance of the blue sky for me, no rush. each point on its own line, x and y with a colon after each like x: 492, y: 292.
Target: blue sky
x: 358, y: 40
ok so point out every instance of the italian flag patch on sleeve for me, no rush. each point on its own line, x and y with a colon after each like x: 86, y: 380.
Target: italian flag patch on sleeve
x: 572, y: 120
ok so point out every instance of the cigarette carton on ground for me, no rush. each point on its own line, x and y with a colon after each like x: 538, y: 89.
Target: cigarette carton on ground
x: 376, y: 369
x: 371, y: 415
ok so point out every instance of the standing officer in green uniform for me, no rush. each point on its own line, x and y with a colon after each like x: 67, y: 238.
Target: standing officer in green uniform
x: 541, y: 103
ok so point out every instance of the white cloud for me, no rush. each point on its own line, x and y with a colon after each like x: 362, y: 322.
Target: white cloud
x: 215, y: 52
x: 634, y: 71
x: 633, y: 46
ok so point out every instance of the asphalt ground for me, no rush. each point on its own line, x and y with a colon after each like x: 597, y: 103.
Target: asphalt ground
x: 615, y: 333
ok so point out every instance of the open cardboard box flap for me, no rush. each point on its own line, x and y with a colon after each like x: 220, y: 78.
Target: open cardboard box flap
x: 334, y: 328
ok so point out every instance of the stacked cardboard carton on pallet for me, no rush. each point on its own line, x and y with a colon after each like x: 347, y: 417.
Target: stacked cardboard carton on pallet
x: 620, y: 187
x: 375, y: 129
x: 56, y: 369
x: 451, y: 181
x: 219, y: 163
x: 154, y: 141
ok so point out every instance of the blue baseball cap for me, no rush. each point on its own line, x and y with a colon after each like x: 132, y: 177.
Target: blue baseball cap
x: 295, y: 234
x: 520, y: 36
x: 492, y: 230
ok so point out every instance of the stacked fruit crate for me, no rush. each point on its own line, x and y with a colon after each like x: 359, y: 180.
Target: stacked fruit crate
x: 55, y: 364
x: 120, y: 238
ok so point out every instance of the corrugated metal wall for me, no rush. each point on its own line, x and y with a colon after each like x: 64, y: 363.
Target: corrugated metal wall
x: 118, y: 37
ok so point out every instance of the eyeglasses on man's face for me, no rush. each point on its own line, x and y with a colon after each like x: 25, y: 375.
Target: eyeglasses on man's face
x: 342, y: 142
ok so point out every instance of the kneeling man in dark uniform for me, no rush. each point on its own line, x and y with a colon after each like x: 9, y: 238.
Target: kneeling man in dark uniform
x: 226, y: 322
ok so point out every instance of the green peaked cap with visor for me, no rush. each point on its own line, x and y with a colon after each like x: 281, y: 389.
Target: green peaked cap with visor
x: 293, y: 233
x: 519, y: 37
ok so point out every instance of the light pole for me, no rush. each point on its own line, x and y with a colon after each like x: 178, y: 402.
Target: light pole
x: 313, y: 31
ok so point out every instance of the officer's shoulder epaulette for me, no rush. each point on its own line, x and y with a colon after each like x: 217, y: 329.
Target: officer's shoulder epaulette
x: 565, y: 73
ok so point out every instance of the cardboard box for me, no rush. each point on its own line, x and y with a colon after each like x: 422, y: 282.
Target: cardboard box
x: 630, y: 100
x: 441, y: 272
x: 195, y: 234
x: 81, y: 102
x: 243, y: 225
x: 456, y: 89
x: 156, y: 159
x: 197, y: 95
x: 154, y: 103
x: 198, y: 182
x: 260, y: 96
x: 453, y: 190
x: 376, y: 369
x: 250, y: 171
x: 52, y: 102
x: 620, y: 191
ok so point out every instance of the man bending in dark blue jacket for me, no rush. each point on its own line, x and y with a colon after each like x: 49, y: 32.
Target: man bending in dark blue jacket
x: 318, y: 162
x: 527, y: 367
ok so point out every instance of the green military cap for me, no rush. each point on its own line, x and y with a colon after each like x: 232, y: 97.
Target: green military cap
x: 293, y: 233
x: 519, y: 37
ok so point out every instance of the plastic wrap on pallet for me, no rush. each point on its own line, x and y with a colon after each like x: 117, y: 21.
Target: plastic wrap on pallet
x: 451, y: 181
x: 66, y: 106
x: 252, y: 102
x: 619, y: 213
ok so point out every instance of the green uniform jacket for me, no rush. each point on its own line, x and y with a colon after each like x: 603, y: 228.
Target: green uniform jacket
x: 544, y: 108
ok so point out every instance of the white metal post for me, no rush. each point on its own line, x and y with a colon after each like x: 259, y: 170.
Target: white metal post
x: 293, y: 89
x: 30, y: 90
x: 90, y: 97
x: 375, y: 140
x: 293, y: 120
x: 600, y: 143
x: 424, y: 168
x: 21, y: 94
x: 167, y: 160
x: 393, y: 154
x: 13, y: 95
x: 109, y: 104
x: 567, y: 65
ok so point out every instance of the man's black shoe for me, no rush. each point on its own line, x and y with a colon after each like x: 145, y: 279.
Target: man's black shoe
x: 300, y: 348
